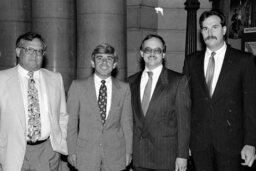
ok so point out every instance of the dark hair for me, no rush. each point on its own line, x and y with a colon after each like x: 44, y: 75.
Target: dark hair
x: 104, y: 48
x: 207, y: 14
x: 29, y: 36
x: 149, y: 36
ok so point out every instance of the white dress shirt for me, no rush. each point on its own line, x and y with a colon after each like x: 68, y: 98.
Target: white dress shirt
x: 97, y: 82
x: 144, y: 79
x: 218, y: 58
x: 43, y: 100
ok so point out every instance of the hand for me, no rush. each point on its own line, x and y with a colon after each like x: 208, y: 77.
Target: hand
x: 248, y: 155
x: 72, y: 160
x: 180, y: 164
x: 128, y: 159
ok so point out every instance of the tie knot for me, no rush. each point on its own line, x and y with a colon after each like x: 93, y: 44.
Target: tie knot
x: 150, y: 74
x: 103, y: 81
x: 213, y: 54
x: 30, y: 74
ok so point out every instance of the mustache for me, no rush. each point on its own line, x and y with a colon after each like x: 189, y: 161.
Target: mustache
x: 210, y: 37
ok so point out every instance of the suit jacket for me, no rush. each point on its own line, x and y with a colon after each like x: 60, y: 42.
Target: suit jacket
x: 162, y: 134
x: 92, y: 141
x: 12, y: 117
x: 228, y: 119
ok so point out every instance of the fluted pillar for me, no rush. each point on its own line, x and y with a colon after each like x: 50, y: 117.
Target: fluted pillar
x: 191, y: 34
x: 55, y: 21
x: 14, y: 20
x: 100, y: 21
x: 253, y: 12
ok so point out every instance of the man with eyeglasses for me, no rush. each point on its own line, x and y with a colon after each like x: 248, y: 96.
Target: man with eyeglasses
x: 161, y: 108
x: 33, y: 117
x: 100, y: 112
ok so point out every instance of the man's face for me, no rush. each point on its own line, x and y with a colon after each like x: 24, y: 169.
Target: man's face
x: 103, y: 64
x: 30, y: 54
x: 152, y: 53
x: 213, y: 33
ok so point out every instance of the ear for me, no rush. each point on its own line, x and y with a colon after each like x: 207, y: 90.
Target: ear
x: 114, y: 65
x: 163, y: 55
x: 224, y: 28
x: 141, y: 53
x: 92, y: 63
x: 17, y: 52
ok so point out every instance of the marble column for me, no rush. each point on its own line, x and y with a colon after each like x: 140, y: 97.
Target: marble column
x: 100, y: 21
x: 253, y: 13
x: 14, y: 20
x: 55, y: 21
x: 191, y: 34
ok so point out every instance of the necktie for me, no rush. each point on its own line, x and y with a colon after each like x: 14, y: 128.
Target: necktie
x: 210, y: 73
x: 102, y: 101
x: 147, y: 93
x: 34, y: 122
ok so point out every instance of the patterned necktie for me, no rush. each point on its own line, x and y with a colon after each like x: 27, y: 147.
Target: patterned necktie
x: 34, y: 122
x: 147, y: 93
x: 102, y: 101
x: 210, y: 73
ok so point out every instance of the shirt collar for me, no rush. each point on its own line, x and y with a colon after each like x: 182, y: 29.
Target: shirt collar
x: 221, y: 50
x: 24, y: 73
x: 98, y: 79
x: 155, y: 71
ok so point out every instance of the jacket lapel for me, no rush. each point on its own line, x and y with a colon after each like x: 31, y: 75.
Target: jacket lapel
x: 50, y: 93
x: 162, y: 81
x: 201, y: 75
x: 226, y: 67
x: 90, y: 92
x: 116, y: 96
x: 15, y: 91
x: 136, y: 97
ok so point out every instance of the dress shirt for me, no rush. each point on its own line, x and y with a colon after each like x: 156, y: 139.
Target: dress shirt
x: 43, y: 99
x: 219, y: 58
x: 97, y: 83
x: 144, y: 79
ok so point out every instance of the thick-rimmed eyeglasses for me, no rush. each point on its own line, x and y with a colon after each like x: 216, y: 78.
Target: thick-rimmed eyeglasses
x: 31, y: 51
x: 155, y: 51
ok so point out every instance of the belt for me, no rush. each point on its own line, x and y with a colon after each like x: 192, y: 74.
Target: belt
x: 36, y: 142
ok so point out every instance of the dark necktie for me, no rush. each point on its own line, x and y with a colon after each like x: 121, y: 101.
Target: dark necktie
x: 34, y: 121
x: 102, y: 101
x: 147, y: 93
x: 210, y: 73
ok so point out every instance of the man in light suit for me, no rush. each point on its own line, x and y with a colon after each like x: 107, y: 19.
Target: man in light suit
x: 100, y: 133
x: 20, y: 149
x: 223, y: 91
x: 161, y: 130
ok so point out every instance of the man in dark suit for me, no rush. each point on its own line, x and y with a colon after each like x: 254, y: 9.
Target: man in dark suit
x: 223, y: 92
x: 161, y: 107
x: 100, y: 106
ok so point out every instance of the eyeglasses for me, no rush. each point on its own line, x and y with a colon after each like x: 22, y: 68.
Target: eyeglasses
x: 155, y: 51
x: 31, y: 51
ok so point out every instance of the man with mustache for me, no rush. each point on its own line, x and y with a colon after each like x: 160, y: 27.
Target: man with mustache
x: 223, y: 92
x: 161, y: 110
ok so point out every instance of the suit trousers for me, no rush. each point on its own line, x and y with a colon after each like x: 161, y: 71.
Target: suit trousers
x: 212, y: 160
x: 41, y: 157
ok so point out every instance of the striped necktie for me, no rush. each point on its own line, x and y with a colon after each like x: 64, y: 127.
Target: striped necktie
x: 210, y: 73
x: 147, y: 93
